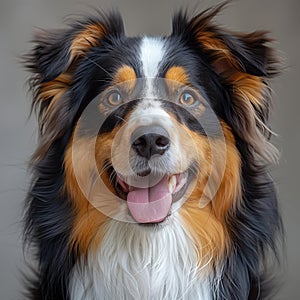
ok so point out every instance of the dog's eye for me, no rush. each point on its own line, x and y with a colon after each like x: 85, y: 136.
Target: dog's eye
x: 114, y: 98
x: 187, y: 99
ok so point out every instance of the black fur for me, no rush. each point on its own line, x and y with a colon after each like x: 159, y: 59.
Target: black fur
x: 255, y: 226
x: 49, y: 212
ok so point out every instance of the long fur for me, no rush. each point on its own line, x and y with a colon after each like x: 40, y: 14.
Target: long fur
x: 171, y: 272
x: 134, y: 260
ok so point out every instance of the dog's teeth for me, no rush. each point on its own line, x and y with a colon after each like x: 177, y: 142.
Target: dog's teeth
x: 172, y: 183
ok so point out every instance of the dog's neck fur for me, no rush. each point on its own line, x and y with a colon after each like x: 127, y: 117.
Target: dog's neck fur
x: 140, y: 262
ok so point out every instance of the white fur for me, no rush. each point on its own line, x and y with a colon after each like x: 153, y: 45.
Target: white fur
x: 151, y: 54
x: 138, y: 262
x: 149, y: 112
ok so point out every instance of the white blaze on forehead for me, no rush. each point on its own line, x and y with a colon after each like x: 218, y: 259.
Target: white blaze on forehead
x: 152, y: 52
x: 149, y: 112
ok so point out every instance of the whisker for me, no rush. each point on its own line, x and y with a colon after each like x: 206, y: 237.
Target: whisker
x: 105, y: 167
x: 193, y: 171
x: 103, y: 80
x: 112, y: 175
x: 96, y: 64
x: 122, y: 119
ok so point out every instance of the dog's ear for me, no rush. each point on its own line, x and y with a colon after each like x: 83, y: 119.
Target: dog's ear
x: 244, y: 64
x: 53, y: 61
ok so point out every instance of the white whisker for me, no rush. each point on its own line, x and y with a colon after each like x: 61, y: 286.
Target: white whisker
x: 100, y: 67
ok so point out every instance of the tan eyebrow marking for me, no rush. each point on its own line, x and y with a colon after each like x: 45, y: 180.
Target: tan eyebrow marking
x: 178, y: 74
x: 125, y: 73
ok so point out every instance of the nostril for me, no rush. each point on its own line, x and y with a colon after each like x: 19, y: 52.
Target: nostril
x: 141, y: 146
x: 162, y: 142
x: 139, y: 142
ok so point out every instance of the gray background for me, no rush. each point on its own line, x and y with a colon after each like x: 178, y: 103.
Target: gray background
x: 17, y: 135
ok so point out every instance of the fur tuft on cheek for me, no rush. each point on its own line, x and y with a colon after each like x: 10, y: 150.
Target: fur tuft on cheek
x: 86, y: 230
x: 222, y: 193
x: 90, y: 188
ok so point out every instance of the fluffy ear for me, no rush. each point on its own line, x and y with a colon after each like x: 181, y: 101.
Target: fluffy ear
x: 244, y: 64
x: 53, y: 61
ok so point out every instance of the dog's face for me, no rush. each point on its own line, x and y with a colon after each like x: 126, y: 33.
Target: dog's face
x: 150, y: 128
x: 154, y: 128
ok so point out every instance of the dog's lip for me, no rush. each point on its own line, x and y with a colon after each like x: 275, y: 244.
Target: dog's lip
x: 177, y: 183
x: 150, y: 198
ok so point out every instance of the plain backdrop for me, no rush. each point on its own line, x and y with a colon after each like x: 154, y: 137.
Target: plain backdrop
x: 18, y: 18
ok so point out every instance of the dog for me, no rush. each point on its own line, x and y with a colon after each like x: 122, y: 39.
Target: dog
x: 151, y: 176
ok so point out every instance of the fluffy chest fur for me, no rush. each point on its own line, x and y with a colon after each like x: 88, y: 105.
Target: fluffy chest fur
x: 135, y: 262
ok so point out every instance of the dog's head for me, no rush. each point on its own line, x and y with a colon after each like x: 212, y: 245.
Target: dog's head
x: 143, y: 129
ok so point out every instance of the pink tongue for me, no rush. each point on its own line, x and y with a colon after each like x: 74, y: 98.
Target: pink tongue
x: 150, y: 205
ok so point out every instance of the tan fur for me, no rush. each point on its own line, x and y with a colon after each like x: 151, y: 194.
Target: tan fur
x: 87, y: 229
x: 88, y: 220
x: 178, y: 74
x: 124, y: 74
x: 207, y: 225
x: 87, y: 39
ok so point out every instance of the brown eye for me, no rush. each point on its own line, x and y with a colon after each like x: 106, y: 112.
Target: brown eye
x: 187, y: 99
x: 114, y: 98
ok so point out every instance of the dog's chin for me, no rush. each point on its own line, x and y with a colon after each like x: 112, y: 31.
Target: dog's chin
x: 151, y: 196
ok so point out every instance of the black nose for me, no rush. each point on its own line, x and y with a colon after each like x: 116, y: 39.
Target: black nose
x: 150, y: 140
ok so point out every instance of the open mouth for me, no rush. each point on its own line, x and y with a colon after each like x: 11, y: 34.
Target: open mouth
x: 149, y: 198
